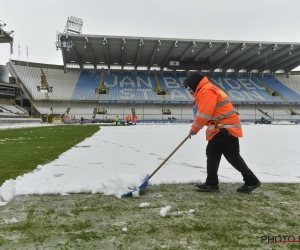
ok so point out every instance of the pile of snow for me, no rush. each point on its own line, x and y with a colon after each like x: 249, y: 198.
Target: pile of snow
x: 283, y: 123
x: 145, y: 204
x: 8, y: 191
x: 163, y: 212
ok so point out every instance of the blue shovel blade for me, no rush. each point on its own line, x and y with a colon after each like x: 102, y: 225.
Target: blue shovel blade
x: 140, y: 188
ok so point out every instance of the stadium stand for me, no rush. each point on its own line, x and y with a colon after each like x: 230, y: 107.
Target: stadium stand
x: 291, y: 82
x: 77, y: 94
x: 130, y: 87
x: 279, y: 89
x: 63, y: 84
x: 7, y: 108
x: 8, y: 93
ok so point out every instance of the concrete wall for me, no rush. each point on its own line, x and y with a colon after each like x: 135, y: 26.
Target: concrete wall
x: 19, y: 120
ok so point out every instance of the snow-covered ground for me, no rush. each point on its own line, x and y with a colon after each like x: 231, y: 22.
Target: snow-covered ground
x: 119, y: 157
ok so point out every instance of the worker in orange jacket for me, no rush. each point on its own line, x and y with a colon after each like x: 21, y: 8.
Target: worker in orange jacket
x: 215, y: 110
x: 127, y: 118
x: 135, y: 118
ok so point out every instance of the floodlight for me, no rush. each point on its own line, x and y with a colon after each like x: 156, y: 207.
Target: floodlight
x: 74, y: 25
x: 227, y: 46
x: 259, y: 48
x: 243, y: 46
x: 158, y: 44
x: 209, y: 45
x: 2, y: 24
x: 291, y: 48
x: 274, y: 47
x: 104, y: 41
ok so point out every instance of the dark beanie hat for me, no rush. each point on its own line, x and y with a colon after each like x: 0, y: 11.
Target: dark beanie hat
x: 193, y: 80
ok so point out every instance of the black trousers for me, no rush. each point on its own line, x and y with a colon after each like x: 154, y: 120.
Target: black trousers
x: 227, y: 145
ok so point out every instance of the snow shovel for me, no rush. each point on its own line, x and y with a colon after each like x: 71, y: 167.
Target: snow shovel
x: 148, y: 177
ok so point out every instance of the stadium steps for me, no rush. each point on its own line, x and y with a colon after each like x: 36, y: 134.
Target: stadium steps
x: 158, y: 89
x: 101, y: 86
x: 265, y: 113
x: 7, y: 110
x: 292, y: 112
x: 133, y: 112
x: 271, y: 91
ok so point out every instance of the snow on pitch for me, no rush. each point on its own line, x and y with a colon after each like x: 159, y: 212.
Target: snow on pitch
x: 116, y: 158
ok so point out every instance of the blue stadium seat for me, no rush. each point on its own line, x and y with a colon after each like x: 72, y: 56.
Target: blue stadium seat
x: 129, y: 87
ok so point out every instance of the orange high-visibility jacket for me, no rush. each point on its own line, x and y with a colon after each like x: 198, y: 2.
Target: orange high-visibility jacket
x: 215, y: 111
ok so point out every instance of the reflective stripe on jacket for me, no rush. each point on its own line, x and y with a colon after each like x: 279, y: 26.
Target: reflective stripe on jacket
x: 214, y: 111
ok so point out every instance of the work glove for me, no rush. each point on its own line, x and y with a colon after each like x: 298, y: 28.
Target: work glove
x: 192, y: 133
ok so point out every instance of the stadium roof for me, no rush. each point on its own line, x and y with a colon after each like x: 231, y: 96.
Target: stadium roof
x: 132, y: 53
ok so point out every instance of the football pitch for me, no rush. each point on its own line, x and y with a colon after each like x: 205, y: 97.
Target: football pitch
x: 265, y: 219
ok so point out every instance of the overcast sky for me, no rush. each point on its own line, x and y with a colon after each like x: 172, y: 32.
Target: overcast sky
x: 35, y: 22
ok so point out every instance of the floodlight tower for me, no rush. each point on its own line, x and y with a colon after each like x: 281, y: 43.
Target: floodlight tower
x: 73, y: 26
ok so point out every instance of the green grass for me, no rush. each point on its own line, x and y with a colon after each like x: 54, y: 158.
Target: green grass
x: 225, y: 220
x: 22, y: 150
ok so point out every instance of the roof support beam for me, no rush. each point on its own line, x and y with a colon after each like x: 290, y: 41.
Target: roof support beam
x: 155, y: 50
x: 168, y: 55
x: 285, y: 64
x: 105, y: 48
x: 283, y: 58
x: 192, y: 45
x: 91, y: 53
x: 225, y: 57
x: 63, y: 53
x: 262, y: 62
x: 219, y: 50
x: 238, y: 59
x: 123, y: 49
x: 199, y: 54
x: 78, y: 59
x: 292, y: 66
x: 253, y: 59
x: 138, y: 56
